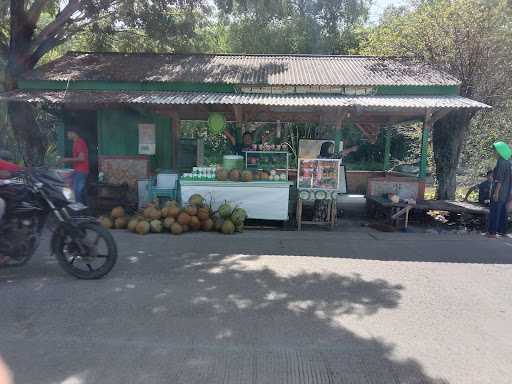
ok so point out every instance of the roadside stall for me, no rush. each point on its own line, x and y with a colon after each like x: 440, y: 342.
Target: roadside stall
x: 129, y: 109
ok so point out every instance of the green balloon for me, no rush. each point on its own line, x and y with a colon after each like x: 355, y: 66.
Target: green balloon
x: 216, y: 122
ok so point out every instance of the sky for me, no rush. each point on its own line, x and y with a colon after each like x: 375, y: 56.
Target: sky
x: 379, y: 6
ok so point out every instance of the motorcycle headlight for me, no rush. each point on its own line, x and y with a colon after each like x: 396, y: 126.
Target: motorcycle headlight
x: 68, y: 193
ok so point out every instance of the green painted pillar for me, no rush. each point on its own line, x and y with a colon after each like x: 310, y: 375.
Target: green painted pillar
x: 425, y: 137
x: 61, y: 138
x: 387, y: 147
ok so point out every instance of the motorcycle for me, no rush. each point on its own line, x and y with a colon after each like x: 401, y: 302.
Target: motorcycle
x: 39, y: 198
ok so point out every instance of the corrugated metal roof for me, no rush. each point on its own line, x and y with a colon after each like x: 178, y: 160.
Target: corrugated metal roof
x: 286, y: 70
x: 191, y: 98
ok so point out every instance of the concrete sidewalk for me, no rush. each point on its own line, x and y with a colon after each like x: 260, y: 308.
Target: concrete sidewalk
x: 267, y: 307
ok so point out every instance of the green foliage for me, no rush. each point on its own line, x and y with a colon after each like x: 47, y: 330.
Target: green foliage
x: 485, y: 129
x: 470, y: 39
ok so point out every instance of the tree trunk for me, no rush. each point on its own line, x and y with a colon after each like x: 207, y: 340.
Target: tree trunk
x: 448, y: 138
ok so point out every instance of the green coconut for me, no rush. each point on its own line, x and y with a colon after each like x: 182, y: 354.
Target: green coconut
x: 219, y: 221
x: 228, y: 228
x: 225, y: 210
x: 238, y: 216
x: 156, y: 226
x: 196, y: 200
x: 239, y: 228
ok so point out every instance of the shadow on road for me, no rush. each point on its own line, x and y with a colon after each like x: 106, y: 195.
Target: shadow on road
x: 204, y: 317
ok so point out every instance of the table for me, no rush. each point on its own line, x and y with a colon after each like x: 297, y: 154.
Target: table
x: 260, y: 199
x: 396, y: 210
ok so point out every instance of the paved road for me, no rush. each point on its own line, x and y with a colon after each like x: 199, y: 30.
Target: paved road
x: 267, y: 307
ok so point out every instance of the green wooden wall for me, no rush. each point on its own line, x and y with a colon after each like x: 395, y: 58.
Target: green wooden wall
x: 118, y: 135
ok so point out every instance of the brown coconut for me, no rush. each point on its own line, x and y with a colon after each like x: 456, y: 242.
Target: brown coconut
x: 195, y: 224
x: 106, y: 222
x: 203, y: 214
x: 234, y: 175
x: 121, y: 222
x: 184, y: 218
x: 173, y: 211
x: 221, y: 174
x: 142, y: 228
x: 117, y: 212
x: 176, y: 229
x: 207, y: 225
x: 191, y: 210
x: 169, y: 221
x: 247, y: 176
x: 132, y: 224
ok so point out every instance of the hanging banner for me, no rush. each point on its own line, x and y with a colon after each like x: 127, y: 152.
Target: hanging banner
x: 147, y: 139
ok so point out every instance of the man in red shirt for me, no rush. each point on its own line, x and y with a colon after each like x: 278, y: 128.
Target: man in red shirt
x: 80, y: 161
x: 7, y: 168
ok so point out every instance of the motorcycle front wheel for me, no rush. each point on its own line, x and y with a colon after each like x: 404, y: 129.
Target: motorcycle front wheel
x: 90, y: 255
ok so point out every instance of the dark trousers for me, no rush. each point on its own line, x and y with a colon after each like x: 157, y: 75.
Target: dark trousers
x: 498, y: 218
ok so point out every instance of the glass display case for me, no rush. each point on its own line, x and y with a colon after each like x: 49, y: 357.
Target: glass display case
x: 319, y: 174
x: 275, y: 163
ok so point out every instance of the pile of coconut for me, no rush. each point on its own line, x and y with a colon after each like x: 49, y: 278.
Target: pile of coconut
x: 173, y: 218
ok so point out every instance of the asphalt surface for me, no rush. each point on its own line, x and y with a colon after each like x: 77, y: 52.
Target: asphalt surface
x: 267, y: 307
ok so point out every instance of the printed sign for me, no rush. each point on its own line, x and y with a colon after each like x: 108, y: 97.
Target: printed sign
x: 147, y: 139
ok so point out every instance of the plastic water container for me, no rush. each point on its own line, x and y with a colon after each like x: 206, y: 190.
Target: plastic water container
x: 143, y: 192
x: 166, y: 180
x: 230, y: 162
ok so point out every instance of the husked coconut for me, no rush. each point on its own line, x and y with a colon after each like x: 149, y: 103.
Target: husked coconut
x: 184, y: 218
x: 176, y: 229
x: 194, y: 224
x: 203, y: 213
x: 191, y: 210
x: 207, y: 225
x: 169, y: 221
x: 117, y: 212
x: 234, y: 175
x: 132, y: 224
x: 106, y: 222
x: 142, y: 228
x: 173, y: 211
x: 121, y: 223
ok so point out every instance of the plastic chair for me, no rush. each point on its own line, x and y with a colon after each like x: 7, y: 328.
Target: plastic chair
x: 163, y: 185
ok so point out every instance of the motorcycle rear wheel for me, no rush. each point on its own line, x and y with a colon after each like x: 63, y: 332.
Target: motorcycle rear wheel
x: 99, y: 245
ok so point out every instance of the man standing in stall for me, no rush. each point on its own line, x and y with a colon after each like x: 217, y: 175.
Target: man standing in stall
x: 80, y: 161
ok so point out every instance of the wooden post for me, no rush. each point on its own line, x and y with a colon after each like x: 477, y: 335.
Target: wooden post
x: 175, y: 140
x: 387, y: 147
x: 427, y: 128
